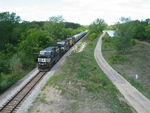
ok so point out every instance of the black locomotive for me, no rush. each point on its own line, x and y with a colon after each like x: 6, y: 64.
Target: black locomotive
x: 49, y: 56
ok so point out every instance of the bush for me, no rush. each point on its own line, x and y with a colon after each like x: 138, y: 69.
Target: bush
x: 116, y: 59
x: 7, y: 80
x: 92, y: 36
x: 15, y: 64
x: 109, y: 40
x: 134, y: 42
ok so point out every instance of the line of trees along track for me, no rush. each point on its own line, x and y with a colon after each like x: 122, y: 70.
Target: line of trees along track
x: 20, y: 42
x: 15, y: 102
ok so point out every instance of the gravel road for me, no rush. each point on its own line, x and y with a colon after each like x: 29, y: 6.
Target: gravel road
x: 137, y: 100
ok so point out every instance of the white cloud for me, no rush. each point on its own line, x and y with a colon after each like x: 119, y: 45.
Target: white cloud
x: 80, y: 11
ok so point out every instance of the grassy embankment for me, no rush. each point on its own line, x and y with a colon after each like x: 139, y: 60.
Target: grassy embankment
x: 85, y: 86
x: 137, y: 61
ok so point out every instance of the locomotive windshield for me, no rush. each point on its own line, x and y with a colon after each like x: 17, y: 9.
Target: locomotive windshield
x: 45, y: 53
x: 62, y: 42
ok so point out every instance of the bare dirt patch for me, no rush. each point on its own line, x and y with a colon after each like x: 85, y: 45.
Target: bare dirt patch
x: 52, y: 101
x: 80, y: 47
x: 49, y: 101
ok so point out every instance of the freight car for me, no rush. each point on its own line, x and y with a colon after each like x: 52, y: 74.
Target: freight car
x: 49, y: 56
x: 71, y: 41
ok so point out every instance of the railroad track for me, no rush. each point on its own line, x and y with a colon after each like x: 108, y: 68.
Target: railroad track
x: 13, y: 104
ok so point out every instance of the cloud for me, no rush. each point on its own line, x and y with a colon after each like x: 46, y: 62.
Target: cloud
x: 80, y: 11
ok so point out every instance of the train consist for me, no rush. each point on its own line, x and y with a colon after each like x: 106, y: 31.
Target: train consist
x: 49, y: 56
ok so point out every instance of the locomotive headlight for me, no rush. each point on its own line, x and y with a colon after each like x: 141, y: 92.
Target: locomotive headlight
x: 43, y: 60
x: 62, y: 48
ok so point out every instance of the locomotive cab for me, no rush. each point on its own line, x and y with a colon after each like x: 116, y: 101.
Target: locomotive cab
x: 48, y: 57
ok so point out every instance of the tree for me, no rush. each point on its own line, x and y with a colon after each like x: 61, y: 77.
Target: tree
x: 97, y: 26
x: 147, y: 32
x: 72, y: 25
x: 123, y: 40
x: 8, y: 22
x: 29, y: 48
x: 54, y: 28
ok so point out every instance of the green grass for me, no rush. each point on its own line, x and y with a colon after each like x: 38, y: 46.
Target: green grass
x: 137, y: 61
x: 42, y: 98
x: 82, y: 79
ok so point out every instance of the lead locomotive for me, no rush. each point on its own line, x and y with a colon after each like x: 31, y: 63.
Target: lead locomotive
x: 49, y: 56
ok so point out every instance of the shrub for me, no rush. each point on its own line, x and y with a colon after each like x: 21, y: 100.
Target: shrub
x: 134, y: 42
x: 117, y: 59
x: 92, y: 36
x: 15, y: 64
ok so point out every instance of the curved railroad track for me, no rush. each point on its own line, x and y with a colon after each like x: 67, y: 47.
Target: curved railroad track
x: 13, y: 104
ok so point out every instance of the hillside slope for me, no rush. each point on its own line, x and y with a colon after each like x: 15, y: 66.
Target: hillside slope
x: 134, y: 66
x: 80, y: 87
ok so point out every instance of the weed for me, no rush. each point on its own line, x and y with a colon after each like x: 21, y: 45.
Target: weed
x: 42, y: 99
x: 117, y: 59
x: 135, y: 62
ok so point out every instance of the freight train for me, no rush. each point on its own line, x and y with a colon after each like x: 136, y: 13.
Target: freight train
x: 49, y: 56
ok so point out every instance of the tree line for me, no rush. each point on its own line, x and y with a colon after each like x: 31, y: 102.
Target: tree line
x: 21, y: 41
x: 128, y: 31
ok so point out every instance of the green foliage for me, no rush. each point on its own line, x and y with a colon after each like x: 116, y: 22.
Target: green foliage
x: 97, y: 26
x: 8, y: 21
x: 117, y: 59
x: 109, y: 40
x: 80, y: 29
x: 140, y: 29
x: 129, y: 30
x: 29, y: 48
x: 53, y: 80
x: 21, y: 42
x: 4, y: 64
x: 15, y: 64
x: 134, y: 42
x: 147, y: 32
x: 7, y: 80
x: 72, y: 25
x: 55, y: 27
x: 92, y: 36
x: 124, y: 36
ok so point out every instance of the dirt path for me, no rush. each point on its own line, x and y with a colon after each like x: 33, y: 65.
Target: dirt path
x: 138, y: 101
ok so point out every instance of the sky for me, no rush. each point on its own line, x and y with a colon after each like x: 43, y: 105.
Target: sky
x: 78, y: 11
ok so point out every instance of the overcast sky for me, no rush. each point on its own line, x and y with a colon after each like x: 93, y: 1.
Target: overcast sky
x: 79, y: 11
